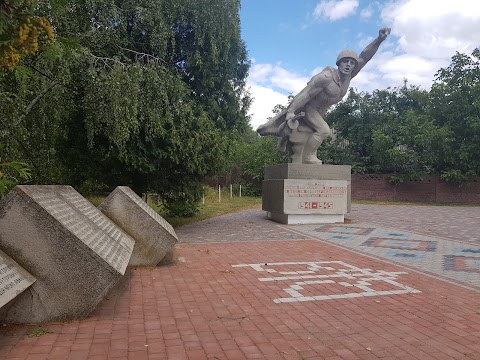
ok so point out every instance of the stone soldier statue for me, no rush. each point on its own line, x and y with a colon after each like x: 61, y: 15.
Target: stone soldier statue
x: 301, y: 127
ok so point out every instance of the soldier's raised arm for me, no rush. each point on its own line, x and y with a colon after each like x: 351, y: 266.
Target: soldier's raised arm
x: 370, y: 50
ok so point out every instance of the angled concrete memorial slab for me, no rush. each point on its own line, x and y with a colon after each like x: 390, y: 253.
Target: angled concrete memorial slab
x: 73, y: 250
x: 154, y: 237
x: 13, y: 281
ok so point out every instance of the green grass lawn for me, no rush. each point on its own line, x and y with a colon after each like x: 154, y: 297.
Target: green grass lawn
x: 211, y: 209
x: 208, y: 208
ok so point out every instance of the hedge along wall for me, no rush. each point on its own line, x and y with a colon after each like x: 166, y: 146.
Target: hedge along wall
x: 430, y: 189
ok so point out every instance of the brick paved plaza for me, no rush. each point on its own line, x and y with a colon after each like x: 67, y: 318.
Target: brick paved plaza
x: 393, y: 282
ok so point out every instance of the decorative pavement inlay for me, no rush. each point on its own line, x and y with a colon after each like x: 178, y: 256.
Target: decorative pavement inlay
x: 329, y: 280
x: 443, y: 258
x: 340, y: 237
x: 354, y: 230
x: 401, y: 244
x: 462, y: 263
x: 467, y: 251
x: 396, y: 254
x: 396, y: 234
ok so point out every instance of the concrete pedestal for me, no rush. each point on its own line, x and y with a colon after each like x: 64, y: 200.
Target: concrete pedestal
x: 307, y: 193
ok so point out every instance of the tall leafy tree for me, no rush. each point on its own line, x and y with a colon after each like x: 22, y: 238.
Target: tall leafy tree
x: 455, y: 99
x: 140, y: 93
x: 23, y: 33
x: 388, y: 131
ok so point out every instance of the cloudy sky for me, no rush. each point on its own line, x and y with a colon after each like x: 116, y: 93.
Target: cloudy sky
x: 291, y: 40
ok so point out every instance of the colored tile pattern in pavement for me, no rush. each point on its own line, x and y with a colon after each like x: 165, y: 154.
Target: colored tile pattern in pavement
x: 459, y: 223
x: 351, y: 230
x: 402, y: 244
x: 462, y: 263
x: 444, y: 258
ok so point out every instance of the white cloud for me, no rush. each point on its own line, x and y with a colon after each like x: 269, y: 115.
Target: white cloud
x: 434, y: 29
x: 388, y: 69
x: 335, y: 9
x: 366, y: 81
x: 363, y: 42
x: 277, y: 77
x: 366, y: 13
x: 288, y: 81
x: 259, y: 73
x: 270, y: 85
x: 370, y: 11
x: 417, y: 70
x: 264, y: 100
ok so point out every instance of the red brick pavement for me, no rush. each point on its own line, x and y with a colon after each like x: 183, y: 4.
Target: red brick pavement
x: 203, y: 308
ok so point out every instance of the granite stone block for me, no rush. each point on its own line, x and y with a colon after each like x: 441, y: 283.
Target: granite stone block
x: 73, y: 250
x: 154, y: 237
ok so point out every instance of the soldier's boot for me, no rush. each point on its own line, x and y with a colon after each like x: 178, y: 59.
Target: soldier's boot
x: 310, y: 149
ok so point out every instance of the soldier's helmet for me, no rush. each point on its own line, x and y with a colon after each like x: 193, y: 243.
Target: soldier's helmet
x: 347, y: 54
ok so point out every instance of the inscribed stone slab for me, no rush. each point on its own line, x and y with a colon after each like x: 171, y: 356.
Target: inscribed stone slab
x: 13, y: 279
x: 299, y: 196
x: 74, y: 251
x: 312, y: 172
x: 154, y: 237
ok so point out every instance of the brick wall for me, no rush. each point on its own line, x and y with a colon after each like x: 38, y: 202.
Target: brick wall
x: 430, y: 189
